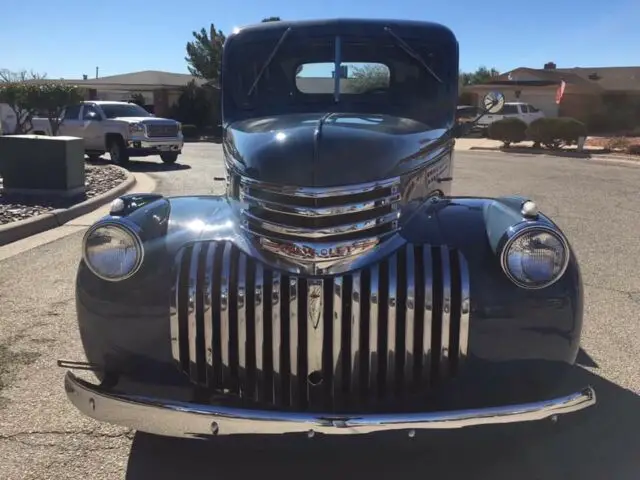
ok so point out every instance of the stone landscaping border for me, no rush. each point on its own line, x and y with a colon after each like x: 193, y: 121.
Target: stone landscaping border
x: 563, y: 153
x: 14, y: 231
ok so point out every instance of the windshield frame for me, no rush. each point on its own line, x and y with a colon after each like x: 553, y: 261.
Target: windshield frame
x: 140, y: 111
x: 434, y: 44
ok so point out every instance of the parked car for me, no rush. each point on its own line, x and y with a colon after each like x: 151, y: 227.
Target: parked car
x: 524, y: 111
x: 337, y: 286
x: 123, y: 129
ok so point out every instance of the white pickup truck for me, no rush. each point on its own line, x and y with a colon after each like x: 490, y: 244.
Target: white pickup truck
x: 120, y: 128
x: 524, y: 111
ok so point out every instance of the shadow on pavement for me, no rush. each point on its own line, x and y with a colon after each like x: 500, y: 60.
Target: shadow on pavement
x: 596, y: 443
x: 144, y: 165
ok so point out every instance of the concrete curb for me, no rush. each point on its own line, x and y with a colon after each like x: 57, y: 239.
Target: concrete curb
x: 585, y: 156
x: 14, y: 231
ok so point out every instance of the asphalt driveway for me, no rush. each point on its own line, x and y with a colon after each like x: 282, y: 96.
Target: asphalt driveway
x: 43, y: 437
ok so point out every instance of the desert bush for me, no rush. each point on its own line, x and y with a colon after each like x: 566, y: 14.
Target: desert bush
x: 508, y: 131
x: 52, y: 97
x: 556, y: 132
x: 189, y: 131
x: 633, y: 149
x: 617, y: 143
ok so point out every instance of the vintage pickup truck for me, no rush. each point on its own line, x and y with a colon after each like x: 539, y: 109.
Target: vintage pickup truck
x: 338, y: 286
x: 123, y: 129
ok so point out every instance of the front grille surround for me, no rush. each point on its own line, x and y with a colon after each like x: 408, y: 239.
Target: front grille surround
x: 161, y: 130
x: 333, y: 344
x: 317, y: 213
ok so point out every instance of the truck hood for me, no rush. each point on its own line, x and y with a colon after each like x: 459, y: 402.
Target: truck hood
x: 147, y: 120
x: 328, y: 149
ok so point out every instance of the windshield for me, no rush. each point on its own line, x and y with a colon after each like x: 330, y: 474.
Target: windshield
x: 115, y: 110
x: 374, y: 74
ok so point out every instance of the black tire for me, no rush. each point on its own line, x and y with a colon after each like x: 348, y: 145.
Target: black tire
x: 117, y: 151
x: 169, y: 157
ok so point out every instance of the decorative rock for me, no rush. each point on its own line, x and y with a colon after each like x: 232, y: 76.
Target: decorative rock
x: 99, y: 179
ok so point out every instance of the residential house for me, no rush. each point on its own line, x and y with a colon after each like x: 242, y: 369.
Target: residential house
x: 590, y: 92
x: 160, y: 90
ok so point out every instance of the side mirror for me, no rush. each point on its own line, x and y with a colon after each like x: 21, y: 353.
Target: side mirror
x: 492, y: 102
x: 94, y: 117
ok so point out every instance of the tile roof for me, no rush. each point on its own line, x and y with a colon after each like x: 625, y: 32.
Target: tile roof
x: 147, y: 77
x: 609, y: 78
x: 153, y: 78
x: 598, y: 78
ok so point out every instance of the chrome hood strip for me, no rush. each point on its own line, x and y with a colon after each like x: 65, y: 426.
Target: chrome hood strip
x: 345, y: 209
x: 319, y: 192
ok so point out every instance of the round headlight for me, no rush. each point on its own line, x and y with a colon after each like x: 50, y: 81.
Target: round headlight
x: 535, y: 257
x: 112, y: 252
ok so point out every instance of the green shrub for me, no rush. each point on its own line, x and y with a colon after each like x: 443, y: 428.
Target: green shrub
x: 556, y: 132
x: 189, y: 131
x: 508, y: 131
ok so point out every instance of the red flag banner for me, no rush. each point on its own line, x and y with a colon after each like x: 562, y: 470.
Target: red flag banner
x: 560, y: 91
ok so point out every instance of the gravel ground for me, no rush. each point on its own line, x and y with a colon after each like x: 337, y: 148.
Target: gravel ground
x: 99, y: 179
x: 42, y: 436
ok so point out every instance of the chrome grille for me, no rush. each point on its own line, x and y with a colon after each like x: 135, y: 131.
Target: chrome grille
x: 330, y: 344
x: 162, y: 130
x: 370, y: 209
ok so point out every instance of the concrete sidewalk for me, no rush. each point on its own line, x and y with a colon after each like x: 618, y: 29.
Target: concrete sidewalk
x: 471, y: 143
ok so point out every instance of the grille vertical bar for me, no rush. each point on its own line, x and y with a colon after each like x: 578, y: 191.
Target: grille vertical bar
x: 337, y: 327
x: 225, y: 287
x: 393, y: 328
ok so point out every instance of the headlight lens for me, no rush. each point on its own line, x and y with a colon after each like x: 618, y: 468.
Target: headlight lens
x: 112, y: 252
x: 535, y: 258
x: 136, y: 128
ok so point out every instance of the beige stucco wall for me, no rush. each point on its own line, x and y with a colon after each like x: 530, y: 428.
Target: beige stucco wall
x: 543, y: 98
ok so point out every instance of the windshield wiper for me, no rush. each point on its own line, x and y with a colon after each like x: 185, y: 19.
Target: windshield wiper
x: 269, y: 59
x: 412, y: 53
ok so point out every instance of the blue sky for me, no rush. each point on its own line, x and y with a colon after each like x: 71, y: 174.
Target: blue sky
x: 68, y: 38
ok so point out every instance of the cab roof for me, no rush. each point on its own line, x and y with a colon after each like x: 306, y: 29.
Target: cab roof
x: 344, y: 25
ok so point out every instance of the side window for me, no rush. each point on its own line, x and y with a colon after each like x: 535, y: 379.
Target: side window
x: 72, y: 112
x: 90, y: 112
x: 524, y: 107
x: 509, y: 110
x: 533, y: 109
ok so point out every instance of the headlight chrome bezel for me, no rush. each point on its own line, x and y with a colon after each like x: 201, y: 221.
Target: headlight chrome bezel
x: 529, y: 229
x: 129, y: 229
x: 137, y: 129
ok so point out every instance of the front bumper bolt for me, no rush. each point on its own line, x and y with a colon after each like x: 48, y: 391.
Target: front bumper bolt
x: 215, y: 428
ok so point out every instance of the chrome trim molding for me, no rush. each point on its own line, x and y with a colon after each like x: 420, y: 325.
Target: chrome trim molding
x: 522, y: 229
x: 314, y: 341
x: 320, y: 192
x: 327, y: 218
x: 182, y: 419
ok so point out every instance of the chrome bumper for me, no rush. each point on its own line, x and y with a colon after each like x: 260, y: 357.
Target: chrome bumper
x: 160, y: 144
x: 181, y: 419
